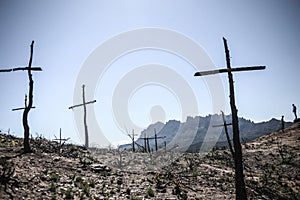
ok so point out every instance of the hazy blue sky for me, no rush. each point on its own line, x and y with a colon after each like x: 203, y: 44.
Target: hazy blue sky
x: 67, y: 32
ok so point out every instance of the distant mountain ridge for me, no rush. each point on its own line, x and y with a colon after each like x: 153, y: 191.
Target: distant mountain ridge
x: 201, y: 133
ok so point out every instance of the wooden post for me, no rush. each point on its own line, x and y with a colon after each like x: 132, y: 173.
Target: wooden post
x: 238, y: 161
x: 145, y: 142
x: 84, y: 103
x: 238, y: 158
x: 30, y: 102
x: 155, y: 138
x: 84, y: 118
x: 149, y: 150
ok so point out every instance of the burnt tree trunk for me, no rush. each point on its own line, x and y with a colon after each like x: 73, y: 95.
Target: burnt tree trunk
x: 241, y: 193
x: 27, y: 148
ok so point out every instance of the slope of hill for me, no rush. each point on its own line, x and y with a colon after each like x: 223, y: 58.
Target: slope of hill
x: 273, y: 164
x: 72, y: 172
x: 199, y: 132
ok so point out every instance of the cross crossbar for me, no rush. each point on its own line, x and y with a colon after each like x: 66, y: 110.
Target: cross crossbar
x: 62, y: 139
x: 15, y: 109
x: 237, y: 69
x: 71, y: 107
x: 21, y: 69
x: 222, y: 125
x: 152, y: 138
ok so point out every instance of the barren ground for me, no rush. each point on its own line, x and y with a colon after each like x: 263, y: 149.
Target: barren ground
x: 271, y: 164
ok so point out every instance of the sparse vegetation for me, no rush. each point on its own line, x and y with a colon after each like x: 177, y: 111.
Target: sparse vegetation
x: 86, y: 188
x: 149, y: 192
x: 286, y: 154
x: 92, y: 183
x: 53, y: 187
x: 270, y: 173
x: 120, y: 181
x: 68, y: 194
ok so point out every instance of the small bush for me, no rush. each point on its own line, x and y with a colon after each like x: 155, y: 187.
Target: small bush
x: 92, y: 183
x: 120, y: 181
x: 52, y: 187
x: 68, y: 194
x: 86, y: 188
x: 54, y: 177
x: 149, y: 192
x: 128, y: 191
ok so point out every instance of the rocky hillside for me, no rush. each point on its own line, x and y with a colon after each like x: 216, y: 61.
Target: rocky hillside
x: 71, y: 172
x: 199, y: 132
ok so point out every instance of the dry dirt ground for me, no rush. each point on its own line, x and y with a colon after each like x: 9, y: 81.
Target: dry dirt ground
x: 71, y: 172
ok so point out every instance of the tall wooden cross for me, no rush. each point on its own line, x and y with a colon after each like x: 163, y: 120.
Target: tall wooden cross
x: 27, y: 108
x: 84, y: 103
x: 239, y: 175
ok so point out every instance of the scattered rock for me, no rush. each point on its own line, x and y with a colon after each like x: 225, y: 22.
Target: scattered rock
x: 271, y: 171
x: 100, y: 168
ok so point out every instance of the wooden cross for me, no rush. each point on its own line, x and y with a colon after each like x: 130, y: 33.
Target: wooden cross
x: 22, y: 69
x: 152, y: 138
x: 84, y: 103
x: 226, y: 132
x: 60, y: 139
x: 23, y: 108
x: 239, y: 175
x: 27, y: 108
